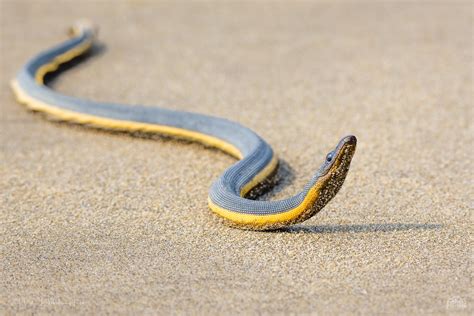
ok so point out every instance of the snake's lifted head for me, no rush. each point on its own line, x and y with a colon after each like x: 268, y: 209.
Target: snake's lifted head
x: 339, y: 159
x: 325, y: 184
x: 334, y: 170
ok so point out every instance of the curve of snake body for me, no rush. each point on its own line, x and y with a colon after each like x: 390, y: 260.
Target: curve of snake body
x: 229, y: 194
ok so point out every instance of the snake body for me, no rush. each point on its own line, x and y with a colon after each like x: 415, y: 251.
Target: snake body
x: 229, y: 194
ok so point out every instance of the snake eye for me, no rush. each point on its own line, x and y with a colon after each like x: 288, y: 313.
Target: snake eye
x: 329, y: 156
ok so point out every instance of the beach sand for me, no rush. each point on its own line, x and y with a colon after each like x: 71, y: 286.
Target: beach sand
x: 94, y: 222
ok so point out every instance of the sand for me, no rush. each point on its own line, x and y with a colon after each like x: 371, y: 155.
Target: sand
x: 93, y: 222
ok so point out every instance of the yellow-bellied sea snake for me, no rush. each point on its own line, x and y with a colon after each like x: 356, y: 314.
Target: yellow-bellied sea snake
x: 228, y: 196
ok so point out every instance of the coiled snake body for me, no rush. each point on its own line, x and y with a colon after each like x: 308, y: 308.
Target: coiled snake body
x: 227, y: 195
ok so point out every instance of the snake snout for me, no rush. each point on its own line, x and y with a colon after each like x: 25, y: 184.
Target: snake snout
x: 349, y: 140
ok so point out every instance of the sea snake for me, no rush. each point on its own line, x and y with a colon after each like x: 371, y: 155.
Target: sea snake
x: 230, y: 196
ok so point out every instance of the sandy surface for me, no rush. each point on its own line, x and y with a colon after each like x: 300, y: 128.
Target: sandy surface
x: 96, y: 222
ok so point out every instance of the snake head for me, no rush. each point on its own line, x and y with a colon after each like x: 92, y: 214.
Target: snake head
x: 334, y: 170
x: 338, y: 160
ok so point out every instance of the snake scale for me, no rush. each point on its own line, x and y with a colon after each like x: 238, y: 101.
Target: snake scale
x: 229, y: 195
